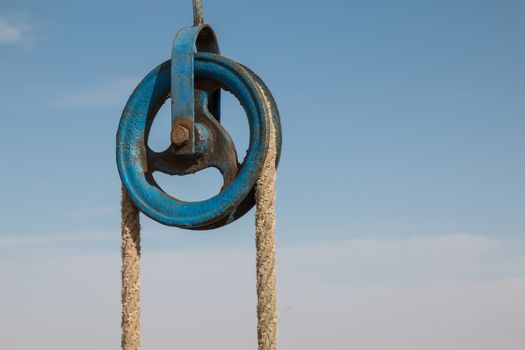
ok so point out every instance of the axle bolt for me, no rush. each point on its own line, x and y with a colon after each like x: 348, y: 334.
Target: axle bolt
x: 180, y: 135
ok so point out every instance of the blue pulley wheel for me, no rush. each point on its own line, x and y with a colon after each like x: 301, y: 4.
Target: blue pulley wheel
x: 198, y: 140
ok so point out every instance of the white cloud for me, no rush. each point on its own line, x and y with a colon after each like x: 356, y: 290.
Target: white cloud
x: 442, y: 292
x: 11, y: 33
x: 113, y: 93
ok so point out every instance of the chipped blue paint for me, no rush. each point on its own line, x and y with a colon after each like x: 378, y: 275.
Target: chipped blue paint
x: 134, y: 156
x: 193, y: 79
x: 182, y: 78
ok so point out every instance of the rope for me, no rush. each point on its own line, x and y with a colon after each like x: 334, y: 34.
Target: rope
x: 265, y: 260
x: 130, y: 250
x: 198, y: 14
x: 265, y: 246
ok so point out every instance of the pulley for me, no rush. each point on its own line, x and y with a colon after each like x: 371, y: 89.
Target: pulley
x: 192, y: 79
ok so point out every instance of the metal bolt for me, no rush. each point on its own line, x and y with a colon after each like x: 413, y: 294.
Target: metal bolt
x: 180, y: 135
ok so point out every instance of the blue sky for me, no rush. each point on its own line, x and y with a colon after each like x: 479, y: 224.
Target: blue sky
x: 403, y: 122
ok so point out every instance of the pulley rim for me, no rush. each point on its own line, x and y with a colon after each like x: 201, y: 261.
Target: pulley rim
x: 233, y: 201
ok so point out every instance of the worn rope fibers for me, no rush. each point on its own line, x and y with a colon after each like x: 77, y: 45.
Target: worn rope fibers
x: 130, y: 250
x: 265, y: 247
x: 265, y: 260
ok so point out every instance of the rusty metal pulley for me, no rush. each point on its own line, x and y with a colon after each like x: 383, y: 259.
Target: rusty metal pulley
x: 193, y: 79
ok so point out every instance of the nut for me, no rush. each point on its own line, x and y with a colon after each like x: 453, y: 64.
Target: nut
x: 180, y: 135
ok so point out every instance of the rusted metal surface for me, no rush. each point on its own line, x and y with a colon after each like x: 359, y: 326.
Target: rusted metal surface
x: 214, y: 147
x: 180, y: 135
x: 187, y: 41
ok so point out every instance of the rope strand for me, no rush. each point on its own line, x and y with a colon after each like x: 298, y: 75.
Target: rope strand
x: 198, y: 13
x: 130, y: 250
x: 265, y: 245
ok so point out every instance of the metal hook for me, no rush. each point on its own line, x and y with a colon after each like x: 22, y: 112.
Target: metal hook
x: 198, y: 15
